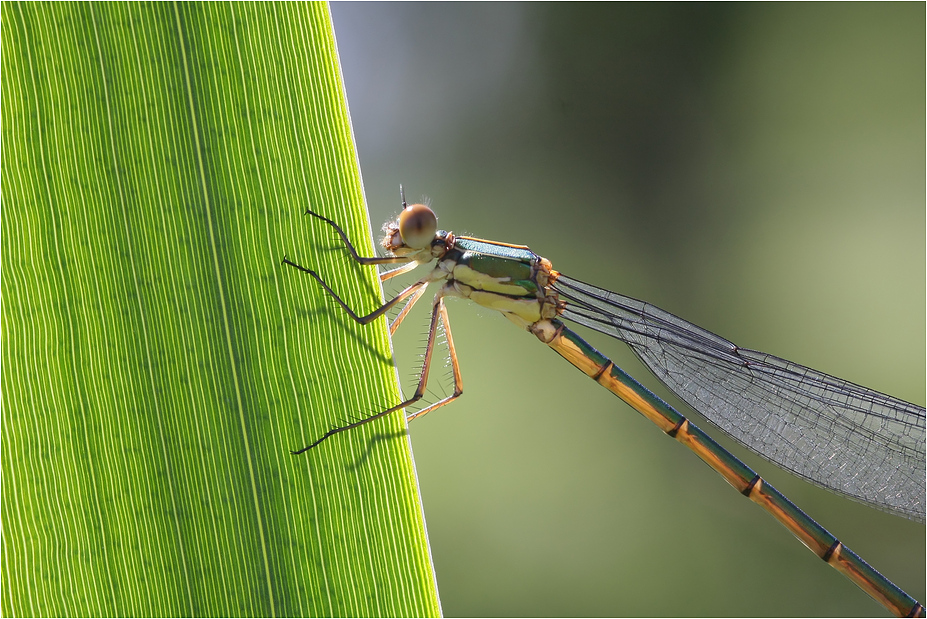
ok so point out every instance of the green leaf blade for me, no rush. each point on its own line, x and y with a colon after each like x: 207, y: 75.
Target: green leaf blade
x: 159, y: 363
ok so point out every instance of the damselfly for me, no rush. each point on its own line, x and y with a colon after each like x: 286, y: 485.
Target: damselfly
x: 854, y: 441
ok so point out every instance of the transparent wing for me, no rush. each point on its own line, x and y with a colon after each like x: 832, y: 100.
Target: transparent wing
x: 854, y: 441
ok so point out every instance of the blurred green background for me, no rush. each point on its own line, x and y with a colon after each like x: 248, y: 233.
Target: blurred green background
x: 756, y: 169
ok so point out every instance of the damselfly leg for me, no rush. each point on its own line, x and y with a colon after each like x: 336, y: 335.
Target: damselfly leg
x: 413, y: 293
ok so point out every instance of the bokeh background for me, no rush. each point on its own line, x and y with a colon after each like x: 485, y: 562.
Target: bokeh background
x: 757, y: 169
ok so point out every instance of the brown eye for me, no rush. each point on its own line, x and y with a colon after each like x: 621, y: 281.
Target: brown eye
x: 417, y: 226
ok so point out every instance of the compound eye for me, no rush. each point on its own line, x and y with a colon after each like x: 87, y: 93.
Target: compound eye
x: 417, y: 226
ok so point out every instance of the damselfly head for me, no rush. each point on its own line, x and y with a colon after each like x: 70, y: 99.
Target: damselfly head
x: 417, y: 226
